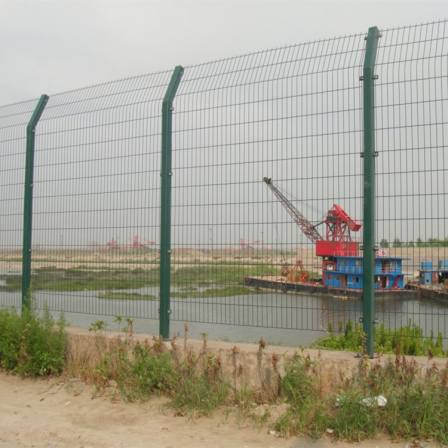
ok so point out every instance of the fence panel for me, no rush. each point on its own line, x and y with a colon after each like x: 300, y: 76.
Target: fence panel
x: 292, y: 114
x: 412, y: 141
x: 13, y: 121
x: 97, y: 201
x: 264, y: 145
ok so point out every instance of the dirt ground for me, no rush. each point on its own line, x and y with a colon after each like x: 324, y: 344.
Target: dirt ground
x: 61, y: 414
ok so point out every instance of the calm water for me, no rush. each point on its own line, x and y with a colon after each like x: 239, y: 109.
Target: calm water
x: 284, y: 319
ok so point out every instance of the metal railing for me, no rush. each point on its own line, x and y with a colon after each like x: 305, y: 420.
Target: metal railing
x: 146, y: 196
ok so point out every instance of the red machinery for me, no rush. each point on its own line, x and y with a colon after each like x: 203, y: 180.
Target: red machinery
x: 338, y: 241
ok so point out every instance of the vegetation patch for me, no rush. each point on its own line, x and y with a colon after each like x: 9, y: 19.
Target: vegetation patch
x: 407, y: 340
x: 229, y: 291
x: 201, y: 387
x: 138, y: 370
x: 415, y: 402
x: 76, y: 279
x: 307, y: 411
x: 218, y: 274
x: 193, y: 383
x: 31, y: 346
x: 80, y: 279
x: 121, y: 295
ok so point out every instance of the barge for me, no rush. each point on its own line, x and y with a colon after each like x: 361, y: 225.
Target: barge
x: 281, y: 284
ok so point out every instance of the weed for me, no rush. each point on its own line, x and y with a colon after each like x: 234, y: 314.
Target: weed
x: 236, y: 290
x: 76, y: 279
x: 297, y: 384
x: 186, y: 330
x: 118, y: 320
x: 86, y: 279
x: 417, y: 404
x: 307, y: 413
x: 118, y: 295
x: 31, y: 346
x: 310, y: 418
x: 199, y: 391
x: 407, y: 340
x: 218, y: 274
x: 130, y: 326
x: 245, y: 399
x: 138, y: 372
x: 352, y: 420
x: 97, y: 326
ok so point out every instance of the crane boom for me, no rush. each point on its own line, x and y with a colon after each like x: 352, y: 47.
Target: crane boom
x: 307, y: 228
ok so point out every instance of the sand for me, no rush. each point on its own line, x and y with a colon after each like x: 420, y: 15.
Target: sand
x: 61, y: 414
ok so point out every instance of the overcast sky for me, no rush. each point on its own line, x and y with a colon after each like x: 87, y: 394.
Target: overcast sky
x: 58, y: 45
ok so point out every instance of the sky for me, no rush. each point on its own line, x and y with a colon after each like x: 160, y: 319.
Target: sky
x: 293, y: 114
x: 58, y: 45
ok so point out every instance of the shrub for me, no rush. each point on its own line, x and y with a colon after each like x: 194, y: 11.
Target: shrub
x: 406, y: 340
x: 297, y: 385
x: 310, y: 418
x: 200, y: 389
x: 307, y: 413
x: 139, y: 371
x: 351, y: 419
x: 31, y: 346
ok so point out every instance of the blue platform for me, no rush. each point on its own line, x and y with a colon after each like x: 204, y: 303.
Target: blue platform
x: 347, y: 272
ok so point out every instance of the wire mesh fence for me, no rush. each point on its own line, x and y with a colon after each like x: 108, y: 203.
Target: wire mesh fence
x: 290, y: 114
x: 13, y: 121
x: 411, y: 116
x: 267, y: 191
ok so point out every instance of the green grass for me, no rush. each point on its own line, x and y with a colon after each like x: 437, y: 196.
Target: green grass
x: 217, y: 274
x: 201, y: 387
x: 78, y: 279
x: 407, y: 340
x: 307, y: 412
x: 229, y: 291
x: 52, y: 279
x: 195, y: 385
x: 118, y: 295
x: 417, y: 402
x: 139, y: 372
x: 31, y: 346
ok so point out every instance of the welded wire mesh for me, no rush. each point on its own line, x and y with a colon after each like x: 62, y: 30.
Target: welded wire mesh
x: 97, y: 200
x: 292, y: 114
x: 412, y: 141
x: 13, y: 121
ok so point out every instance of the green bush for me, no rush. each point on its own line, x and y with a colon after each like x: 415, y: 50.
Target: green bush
x: 139, y: 371
x: 198, y: 394
x: 418, y: 411
x: 416, y: 407
x: 297, y: 385
x: 406, y: 340
x: 30, y: 345
x: 201, y: 387
x: 307, y: 413
x: 351, y: 419
x: 310, y: 418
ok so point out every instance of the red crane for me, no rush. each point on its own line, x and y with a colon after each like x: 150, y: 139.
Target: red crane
x: 339, y: 224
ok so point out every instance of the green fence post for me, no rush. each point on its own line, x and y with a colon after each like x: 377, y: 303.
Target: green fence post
x: 368, y: 296
x: 28, y: 201
x: 165, y: 208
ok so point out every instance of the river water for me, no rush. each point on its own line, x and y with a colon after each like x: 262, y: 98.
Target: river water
x: 281, y: 318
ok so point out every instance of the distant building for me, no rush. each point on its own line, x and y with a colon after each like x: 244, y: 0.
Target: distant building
x: 347, y: 272
x: 433, y: 276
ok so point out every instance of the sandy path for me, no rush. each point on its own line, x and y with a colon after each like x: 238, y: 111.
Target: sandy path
x: 52, y: 414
